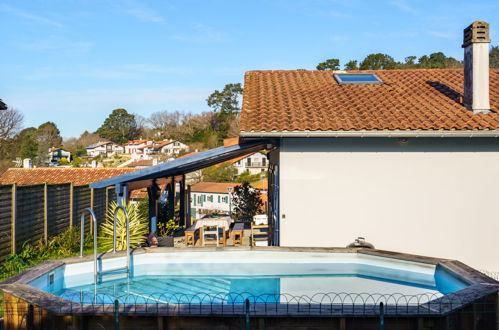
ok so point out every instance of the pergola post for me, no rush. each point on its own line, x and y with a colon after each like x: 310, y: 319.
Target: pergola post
x: 121, y: 194
x: 171, y: 199
x: 152, y: 193
x: 183, y: 212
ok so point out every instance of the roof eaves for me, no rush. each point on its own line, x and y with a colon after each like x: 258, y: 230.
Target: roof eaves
x: 375, y: 133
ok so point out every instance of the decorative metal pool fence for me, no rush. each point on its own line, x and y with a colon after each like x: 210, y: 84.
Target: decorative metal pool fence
x: 245, y: 307
x: 321, y: 304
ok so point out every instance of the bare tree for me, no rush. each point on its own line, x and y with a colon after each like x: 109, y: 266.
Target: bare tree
x: 11, y: 121
x: 165, y: 122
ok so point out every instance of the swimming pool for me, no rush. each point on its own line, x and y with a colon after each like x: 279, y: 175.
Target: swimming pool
x: 230, y: 277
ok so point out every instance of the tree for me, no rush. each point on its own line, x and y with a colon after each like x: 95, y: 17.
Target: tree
x: 119, y: 127
x: 494, y: 57
x: 247, y: 202
x: 47, y: 136
x: 438, y: 61
x: 331, y: 64
x: 378, y: 62
x: 165, y: 124
x: 225, y: 104
x: 351, y: 65
x: 222, y: 173
x: 11, y: 121
x: 28, y: 145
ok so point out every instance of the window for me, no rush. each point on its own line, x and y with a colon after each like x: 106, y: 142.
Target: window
x: 357, y: 78
x: 194, y: 199
x: 264, y: 161
x: 248, y: 162
x: 219, y: 199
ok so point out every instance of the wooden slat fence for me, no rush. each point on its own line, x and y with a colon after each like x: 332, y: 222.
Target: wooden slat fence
x: 31, y: 213
x: 5, y: 220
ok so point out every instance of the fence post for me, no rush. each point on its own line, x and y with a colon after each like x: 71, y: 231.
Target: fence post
x: 116, y: 315
x: 45, y: 213
x: 71, y: 202
x: 13, y: 215
x: 381, y: 316
x: 92, y: 207
x: 247, y: 312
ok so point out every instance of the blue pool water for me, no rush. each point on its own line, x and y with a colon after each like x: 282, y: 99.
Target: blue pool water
x: 231, y: 277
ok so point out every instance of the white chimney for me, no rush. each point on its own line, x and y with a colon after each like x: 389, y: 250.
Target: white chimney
x: 27, y: 163
x: 476, y: 67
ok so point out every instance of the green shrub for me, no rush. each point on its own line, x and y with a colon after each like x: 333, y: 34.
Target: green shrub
x: 167, y: 228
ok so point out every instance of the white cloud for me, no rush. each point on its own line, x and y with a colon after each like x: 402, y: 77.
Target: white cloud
x: 403, y: 5
x: 29, y: 16
x: 140, y: 11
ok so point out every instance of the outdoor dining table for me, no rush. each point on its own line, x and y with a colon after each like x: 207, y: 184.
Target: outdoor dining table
x: 219, y: 222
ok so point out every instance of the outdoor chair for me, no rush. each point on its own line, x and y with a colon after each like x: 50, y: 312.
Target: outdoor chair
x: 190, y: 236
x: 238, y: 233
x: 259, y: 233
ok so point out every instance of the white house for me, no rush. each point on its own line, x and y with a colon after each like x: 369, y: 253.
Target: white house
x: 211, y: 197
x: 408, y: 159
x: 103, y: 148
x: 143, y: 148
x: 170, y: 147
x: 253, y: 163
x: 56, y: 154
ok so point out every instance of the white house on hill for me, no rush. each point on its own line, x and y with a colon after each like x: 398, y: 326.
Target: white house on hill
x: 104, y: 149
x: 254, y: 163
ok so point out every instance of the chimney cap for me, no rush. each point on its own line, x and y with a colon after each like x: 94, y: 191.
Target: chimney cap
x: 476, y: 32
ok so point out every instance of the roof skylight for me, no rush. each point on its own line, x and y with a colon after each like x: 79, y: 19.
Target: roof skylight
x: 357, y: 78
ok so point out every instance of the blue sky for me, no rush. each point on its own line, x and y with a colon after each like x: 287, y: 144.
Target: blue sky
x: 74, y: 61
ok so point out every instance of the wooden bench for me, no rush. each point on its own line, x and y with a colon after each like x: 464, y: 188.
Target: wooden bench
x: 238, y: 233
x: 190, y: 236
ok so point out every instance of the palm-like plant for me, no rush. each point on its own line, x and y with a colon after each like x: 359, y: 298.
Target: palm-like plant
x: 138, y: 227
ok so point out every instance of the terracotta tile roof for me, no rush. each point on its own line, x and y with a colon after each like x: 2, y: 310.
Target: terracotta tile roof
x: 80, y: 176
x: 213, y: 187
x: 139, y: 193
x: 303, y: 100
x: 262, y: 184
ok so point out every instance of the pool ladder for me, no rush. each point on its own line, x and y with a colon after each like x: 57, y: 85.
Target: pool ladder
x: 115, y: 271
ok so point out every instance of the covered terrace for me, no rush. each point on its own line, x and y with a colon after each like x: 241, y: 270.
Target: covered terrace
x: 170, y: 177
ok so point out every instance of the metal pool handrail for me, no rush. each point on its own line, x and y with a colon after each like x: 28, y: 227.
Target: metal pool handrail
x: 82, y: 234
x: 127, y: 223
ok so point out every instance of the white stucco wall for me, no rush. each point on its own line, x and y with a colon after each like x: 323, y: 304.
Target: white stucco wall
x: 434, y: 197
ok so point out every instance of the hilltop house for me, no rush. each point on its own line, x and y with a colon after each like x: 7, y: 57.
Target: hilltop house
x: 104, y: 149
x: 406, y: 158
x: 254, y: 163
x: 144, y: 148
x: 56, y: 154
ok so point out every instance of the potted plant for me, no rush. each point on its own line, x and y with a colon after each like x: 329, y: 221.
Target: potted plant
x: 165, y: 233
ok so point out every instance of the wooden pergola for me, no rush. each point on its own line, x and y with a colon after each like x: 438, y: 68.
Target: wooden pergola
x: 165, y: 178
